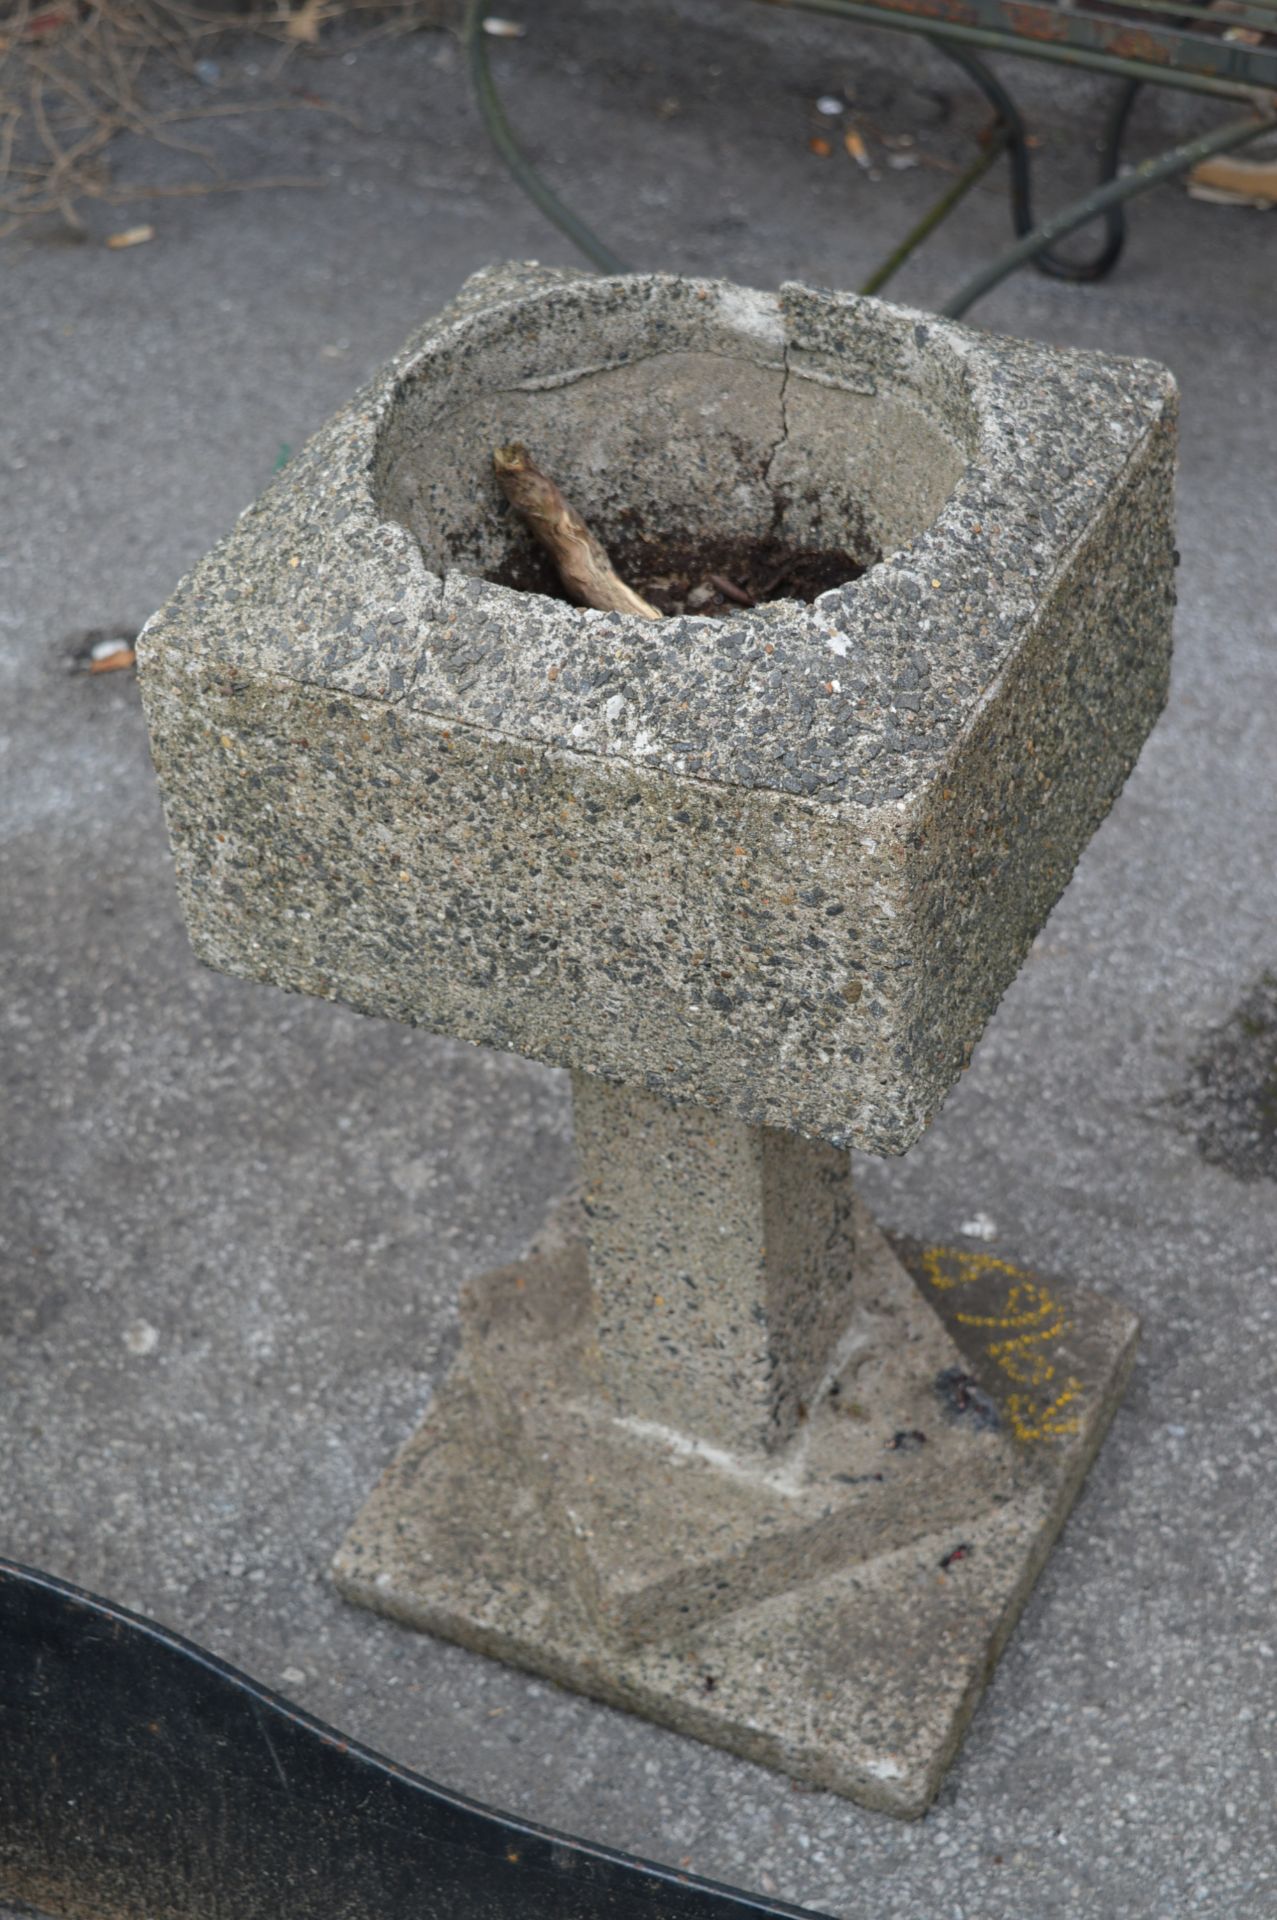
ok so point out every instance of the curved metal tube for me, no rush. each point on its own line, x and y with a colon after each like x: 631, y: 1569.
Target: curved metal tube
x: 492, y: 113
x: 939, y: 212
x: 1058, y: 52
x: 1162, y: 166
x: 1054, y: 264
x: 1106, y: 202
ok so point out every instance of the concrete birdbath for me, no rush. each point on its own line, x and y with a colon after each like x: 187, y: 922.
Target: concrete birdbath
x: 712, y: 1451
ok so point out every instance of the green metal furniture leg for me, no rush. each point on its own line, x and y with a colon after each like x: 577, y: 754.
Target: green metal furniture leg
x: 1034, y: 244
x: 1149, y: 173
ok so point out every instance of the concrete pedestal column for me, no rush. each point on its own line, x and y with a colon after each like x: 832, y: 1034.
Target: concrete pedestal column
x: 698, y: 1460
x: 713, y: 1450
x: 720, y: 1258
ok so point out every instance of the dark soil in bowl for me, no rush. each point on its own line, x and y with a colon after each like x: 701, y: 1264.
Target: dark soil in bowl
x: 716, y: 578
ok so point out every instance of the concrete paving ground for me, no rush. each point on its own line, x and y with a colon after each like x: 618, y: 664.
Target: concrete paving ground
x: 235, y: 1223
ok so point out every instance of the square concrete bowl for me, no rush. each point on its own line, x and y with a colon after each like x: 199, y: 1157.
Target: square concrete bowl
x: 784, y: 864
x: 779, y: 865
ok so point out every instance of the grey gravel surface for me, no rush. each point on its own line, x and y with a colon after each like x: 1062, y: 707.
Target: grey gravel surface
x: 236, y: 1223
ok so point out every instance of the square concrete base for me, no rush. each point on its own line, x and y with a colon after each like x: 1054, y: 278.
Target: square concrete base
x: 832, y: 1610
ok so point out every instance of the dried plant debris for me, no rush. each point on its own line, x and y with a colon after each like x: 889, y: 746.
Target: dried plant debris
x: 715, y: 576
x: 73, y: 76
x: 100, y: 649
x: 579, y: 557
x: 130, y: 237
x: 1230, y: 1101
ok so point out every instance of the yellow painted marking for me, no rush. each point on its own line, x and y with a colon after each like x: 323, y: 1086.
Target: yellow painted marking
x: 1027, y: 1301
x: 1033, y: 1320
x: 971, y: 1266
x: 1045, y: 1423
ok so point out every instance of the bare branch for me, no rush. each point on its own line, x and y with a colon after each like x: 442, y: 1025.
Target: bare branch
x: 581, y: 559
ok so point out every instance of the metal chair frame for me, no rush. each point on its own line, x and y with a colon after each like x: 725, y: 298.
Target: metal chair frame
x: 1136, y: 41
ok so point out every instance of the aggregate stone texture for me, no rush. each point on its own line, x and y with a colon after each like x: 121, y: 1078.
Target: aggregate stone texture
x: 832, y: 1610
x: 235, y: 1221
x: 783, y: 866
x: 721, y: 1261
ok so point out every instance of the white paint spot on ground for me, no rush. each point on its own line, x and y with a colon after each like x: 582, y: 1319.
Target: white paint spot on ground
x: 141, y: 1337
x: 981, y: 1226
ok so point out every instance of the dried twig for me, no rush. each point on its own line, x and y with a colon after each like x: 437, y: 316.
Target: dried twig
x: 730, y: 590
x: 581, y: 559
x: 72, y: 77
x: 286, y: 103
x: 196, y: 189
